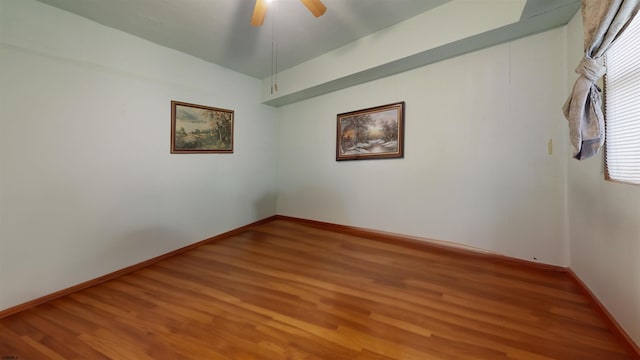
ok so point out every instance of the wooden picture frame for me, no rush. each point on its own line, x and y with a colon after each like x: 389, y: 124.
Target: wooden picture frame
x: 197, y: 129
x: 373, y: 133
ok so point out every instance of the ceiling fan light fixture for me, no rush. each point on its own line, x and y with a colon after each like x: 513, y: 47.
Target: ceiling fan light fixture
x: 316, y: 7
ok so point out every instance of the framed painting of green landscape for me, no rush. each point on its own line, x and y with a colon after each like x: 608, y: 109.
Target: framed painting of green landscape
x: 200, y: 129
x: 374, y: 133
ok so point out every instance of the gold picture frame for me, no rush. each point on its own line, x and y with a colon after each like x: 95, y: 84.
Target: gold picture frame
x: 373, y: 133
x: 199, y: 129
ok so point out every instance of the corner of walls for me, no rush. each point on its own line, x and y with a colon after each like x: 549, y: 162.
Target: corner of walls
x: 476, y: 169
x: 564, y: 142
x: 603, y: 223
x: 88, y: 184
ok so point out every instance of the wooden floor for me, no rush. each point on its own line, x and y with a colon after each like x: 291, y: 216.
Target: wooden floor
x: 285, y: 290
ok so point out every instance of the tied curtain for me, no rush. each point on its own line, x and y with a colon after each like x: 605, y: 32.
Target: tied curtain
x: 603, y: 21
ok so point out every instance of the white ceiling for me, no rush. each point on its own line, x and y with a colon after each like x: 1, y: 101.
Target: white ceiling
x: 219, y: 30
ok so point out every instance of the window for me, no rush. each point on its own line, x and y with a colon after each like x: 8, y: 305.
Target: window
x: 622, y: 106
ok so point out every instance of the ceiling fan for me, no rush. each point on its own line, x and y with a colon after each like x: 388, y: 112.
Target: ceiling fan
x: 316, y: 7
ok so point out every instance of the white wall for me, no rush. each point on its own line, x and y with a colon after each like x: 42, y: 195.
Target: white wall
x: 604, y: 225
x: 87, y: 183
x: 476, y: 169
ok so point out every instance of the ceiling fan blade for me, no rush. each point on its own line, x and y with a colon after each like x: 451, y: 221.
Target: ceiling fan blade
x: 316, y: 7
x: 259, y: 10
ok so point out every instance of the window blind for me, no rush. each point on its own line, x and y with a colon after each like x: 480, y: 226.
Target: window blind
x: 622, y: 106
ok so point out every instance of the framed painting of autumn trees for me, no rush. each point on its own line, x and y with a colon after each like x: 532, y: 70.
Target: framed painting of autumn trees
x: 374, y: 133
x: 200, y: 129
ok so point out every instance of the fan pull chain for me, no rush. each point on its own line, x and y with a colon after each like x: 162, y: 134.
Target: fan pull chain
x: 274, y: 51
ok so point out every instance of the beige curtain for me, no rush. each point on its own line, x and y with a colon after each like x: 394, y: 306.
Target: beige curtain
x: 603, y: 21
